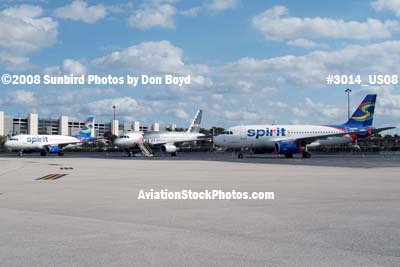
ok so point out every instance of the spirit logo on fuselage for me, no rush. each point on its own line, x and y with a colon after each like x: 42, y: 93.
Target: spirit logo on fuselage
x: 266, y: 132
x: 37, y: 139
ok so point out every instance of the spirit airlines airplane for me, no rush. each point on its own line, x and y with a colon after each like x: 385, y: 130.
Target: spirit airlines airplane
x: 291, y: 139
x: 167, y: 141
x: 50, y: 143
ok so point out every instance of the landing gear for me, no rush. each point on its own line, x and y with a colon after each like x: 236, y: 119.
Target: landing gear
x: 240, y: 155
x: 288, y: 156
x: 20, y: 153
x: 173, y: 154
x: 61, y: 153
x: 306, y: 155
x: 43, y: 153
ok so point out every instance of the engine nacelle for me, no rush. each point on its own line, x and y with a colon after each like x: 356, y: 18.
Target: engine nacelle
x: 53, y: 149
x: 168, y: 148
x: 287, y: 147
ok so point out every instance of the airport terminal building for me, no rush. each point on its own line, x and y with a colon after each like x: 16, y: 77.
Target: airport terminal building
x: 33, y: 124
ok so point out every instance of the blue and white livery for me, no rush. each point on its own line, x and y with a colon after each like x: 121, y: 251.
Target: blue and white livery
x: 50, y: 143
x: 291, y: 139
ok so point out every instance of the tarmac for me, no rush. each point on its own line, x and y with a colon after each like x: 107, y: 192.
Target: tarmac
x: 83, y: 210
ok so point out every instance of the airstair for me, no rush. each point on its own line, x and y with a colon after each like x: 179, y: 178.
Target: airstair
x: 146, y: 150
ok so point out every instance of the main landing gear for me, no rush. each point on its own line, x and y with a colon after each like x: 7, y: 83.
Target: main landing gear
x: 306, y: 155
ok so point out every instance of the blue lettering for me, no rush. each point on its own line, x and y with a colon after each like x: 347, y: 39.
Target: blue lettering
x: 260, y: 133
x: 251, y: 132
x: 37, y: 139
x: 267, y: 132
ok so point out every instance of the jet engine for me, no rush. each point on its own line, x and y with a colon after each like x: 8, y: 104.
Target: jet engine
x: 287, y: 147
x: 168, y: 148
x: 53, y: 149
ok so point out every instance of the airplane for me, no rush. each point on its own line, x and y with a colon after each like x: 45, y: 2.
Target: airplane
x: 166, y: 140
x: 48, y: 144
x: 291, y: 139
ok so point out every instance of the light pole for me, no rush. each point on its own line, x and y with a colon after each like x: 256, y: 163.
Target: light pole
x: 348, y: 90
x: 113, y: 131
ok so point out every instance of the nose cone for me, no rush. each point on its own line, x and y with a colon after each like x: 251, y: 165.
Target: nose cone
x: 117, y: 142
x: 7, y: 145
x: 217, y: 140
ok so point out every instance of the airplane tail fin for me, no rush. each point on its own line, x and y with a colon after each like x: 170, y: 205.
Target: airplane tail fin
x: 86, y: 131
x: 195, y: 125
x: 364, y: 114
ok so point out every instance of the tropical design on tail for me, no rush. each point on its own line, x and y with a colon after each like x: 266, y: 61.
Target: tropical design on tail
x: 364, y: 114
x: 86, y: 131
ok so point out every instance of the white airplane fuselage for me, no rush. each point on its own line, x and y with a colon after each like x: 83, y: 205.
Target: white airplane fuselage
x: 131, y: 139
x: 266, y: 136
x: 38, y: 142
x: 159, y: 138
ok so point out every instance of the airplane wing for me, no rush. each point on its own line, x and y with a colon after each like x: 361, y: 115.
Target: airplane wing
x: 378, y: 130
x: 310, y: 139
x: 62, y: 145
x: 159, y: 143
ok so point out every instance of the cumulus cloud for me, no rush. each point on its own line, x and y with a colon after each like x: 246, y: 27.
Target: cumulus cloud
x: 154, y: 58
x: 218, y: 6
x: 20, y: 97
x: 180, y: 113
x: 148, y: 56
x: 304, y: 43
x: 81, y: 11
x: 276, y: 24
x: 311, y: 69
x: 244, y: 116
x: 24, y: 30
x: 71, y: 97
x: 191, y: 12
x: 391, y: 5
x: 151, y: 16
x: 69, y: 66
x: 125, y: 106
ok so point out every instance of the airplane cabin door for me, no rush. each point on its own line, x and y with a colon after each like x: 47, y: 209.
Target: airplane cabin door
x: 243, y: 133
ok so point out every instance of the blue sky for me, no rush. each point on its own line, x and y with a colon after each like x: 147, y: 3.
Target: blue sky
x: 252, y: 61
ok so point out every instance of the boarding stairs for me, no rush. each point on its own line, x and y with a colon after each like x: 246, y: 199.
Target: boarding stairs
x: 146, y: 150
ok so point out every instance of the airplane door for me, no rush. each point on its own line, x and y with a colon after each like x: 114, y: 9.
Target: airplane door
x: 243, y: 133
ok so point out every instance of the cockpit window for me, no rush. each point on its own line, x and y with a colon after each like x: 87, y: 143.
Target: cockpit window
x: 13, y: 139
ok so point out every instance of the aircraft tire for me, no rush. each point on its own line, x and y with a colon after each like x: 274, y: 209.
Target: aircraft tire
x: 288, y: 156
x: 240, y: 156
x: 306, y: 155
x: 43, y: 153
x: 173, y: 154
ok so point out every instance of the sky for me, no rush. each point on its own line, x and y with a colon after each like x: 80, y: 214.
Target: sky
x: 250, y: 61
